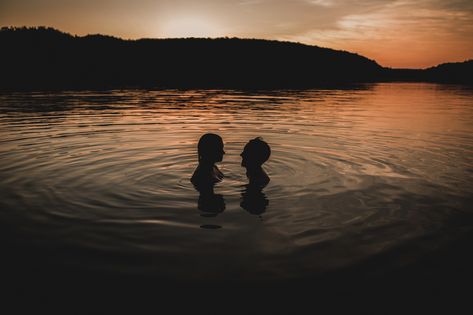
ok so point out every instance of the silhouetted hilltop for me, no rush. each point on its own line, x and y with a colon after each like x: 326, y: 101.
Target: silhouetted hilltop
x: 45, y: 58
x: 458, y: 72
x: 455, y: 73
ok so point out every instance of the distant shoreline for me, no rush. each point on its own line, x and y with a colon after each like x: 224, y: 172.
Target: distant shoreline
x: 353, y: 86
x: 47, y: 59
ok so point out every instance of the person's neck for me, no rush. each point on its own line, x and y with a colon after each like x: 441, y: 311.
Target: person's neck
x: 254, y: 170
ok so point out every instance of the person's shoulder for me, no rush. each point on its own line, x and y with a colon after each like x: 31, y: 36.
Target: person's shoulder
x: 201, y: 177
x: 264, y: 179
x: 260, y: 180
x: 195, y: 175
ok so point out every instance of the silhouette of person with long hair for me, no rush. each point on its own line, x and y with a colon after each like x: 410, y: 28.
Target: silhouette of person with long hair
x: 210, y: 151
x: 255, y: 153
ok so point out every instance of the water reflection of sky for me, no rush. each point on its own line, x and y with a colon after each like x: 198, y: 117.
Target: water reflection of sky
x: 364, y: 169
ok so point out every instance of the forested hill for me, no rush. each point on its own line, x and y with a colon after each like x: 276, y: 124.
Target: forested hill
x: 45, y: 58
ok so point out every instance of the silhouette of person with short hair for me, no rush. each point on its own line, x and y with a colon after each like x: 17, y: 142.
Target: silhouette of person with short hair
x: 210, y: 151
x: 255, y: 153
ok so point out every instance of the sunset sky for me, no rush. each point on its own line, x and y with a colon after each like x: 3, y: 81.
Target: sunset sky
x: 395, y: 33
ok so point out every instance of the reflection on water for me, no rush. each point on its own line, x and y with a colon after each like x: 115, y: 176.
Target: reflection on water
x: 210, y: 202
x: 254, y: 200
x: 354, y: 173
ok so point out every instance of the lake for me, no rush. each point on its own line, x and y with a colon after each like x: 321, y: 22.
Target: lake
x: 98, y: 181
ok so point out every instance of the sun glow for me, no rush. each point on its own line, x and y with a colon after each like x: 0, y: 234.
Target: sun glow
x: 190, y: 26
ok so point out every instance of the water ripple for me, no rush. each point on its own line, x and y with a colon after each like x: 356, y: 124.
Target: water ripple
x: 352, y: 171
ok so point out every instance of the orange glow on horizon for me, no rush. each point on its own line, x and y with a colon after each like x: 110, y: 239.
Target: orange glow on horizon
x: 400, y: 34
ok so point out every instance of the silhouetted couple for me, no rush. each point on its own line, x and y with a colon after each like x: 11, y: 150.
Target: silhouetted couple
x: 210, y: 151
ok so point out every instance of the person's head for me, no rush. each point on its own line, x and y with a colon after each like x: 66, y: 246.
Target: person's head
x: 210, y: 148
x: 255, y: 153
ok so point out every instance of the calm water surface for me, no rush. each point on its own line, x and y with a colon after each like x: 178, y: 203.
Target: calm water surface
x: 100, y: 180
